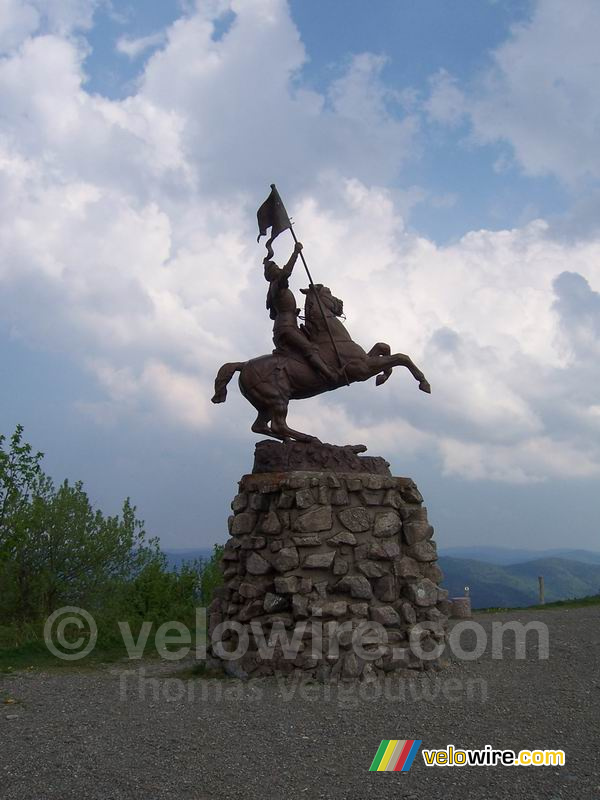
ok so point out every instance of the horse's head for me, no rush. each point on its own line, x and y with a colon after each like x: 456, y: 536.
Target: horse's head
x: 331, y: 304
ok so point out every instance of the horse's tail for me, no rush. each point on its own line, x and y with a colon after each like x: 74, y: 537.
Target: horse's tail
x: 224, y: 375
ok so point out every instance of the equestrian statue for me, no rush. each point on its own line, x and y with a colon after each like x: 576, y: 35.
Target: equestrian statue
x: 308, y: 359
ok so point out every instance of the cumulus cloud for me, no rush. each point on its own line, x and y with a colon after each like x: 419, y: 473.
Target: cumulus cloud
x: 20, y: 19
x: 127, y: 242
x: 540, y: 94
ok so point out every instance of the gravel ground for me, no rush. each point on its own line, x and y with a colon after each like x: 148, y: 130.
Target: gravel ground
x: 107, y: 735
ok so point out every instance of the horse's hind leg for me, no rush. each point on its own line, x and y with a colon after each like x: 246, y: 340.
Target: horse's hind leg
x: 261, y: 423
x: 280, y: 428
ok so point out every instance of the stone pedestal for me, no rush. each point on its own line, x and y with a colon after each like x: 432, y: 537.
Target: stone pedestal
x: 460, y: 608
x: 329, y: 570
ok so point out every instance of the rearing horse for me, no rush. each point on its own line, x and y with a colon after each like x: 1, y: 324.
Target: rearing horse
x: 269, y: 382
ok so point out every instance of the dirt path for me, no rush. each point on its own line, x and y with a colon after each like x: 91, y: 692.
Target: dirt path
x: 108, y: 735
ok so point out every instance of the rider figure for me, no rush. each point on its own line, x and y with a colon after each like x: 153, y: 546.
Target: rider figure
x: 281, y: 305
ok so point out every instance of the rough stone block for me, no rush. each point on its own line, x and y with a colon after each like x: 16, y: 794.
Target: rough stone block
x: 387, y: 523
x: 370, y: 569
x: 362, y: 551
x: 384, y: 615
x: 371, y: 498
x: 423, y: 551
x: 254, y: 543
x: 373, y: 482
x: 410, y: 493
x: 355, y: 519
x: 275, y: 602
x: 340, y: 566
x: 423, y: 592
x: 335, y: 608
x: 279, y: 620
x: 304, y: 498
x: 338, y: 497
x: 250, y: 610
x: 257, y: 565
x: 239, y: 502
x: 407, y: 568
x: 417, y: 531
x: 353, y: 484
x: 300, y: 606
x: 270, y: 524
x: 317, y: 519
x: 251, y: 590
x: 388, y: 551
x: 286, y: 584
x: 357, y: 585
x: 319, y: 560
x: 258, y: 502
x: 229, y: 553
x: 433, y: 572
x: 323, y: 495
x: 243, y: 523
x: 308, y: 540
x: 385, y: 590
x: 297, y: 480
x: 286, y: 500
x: 353, y: 666
x: 392, y: 498
x: 343, y: 537
x: 286, y: 559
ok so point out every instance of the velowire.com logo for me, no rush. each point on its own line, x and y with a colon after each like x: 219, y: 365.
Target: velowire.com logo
x: 395, y: 755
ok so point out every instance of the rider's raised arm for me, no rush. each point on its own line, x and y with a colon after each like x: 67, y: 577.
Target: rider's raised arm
x: 287, y: 270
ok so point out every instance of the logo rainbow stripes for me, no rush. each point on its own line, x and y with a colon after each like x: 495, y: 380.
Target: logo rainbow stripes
x: 395, y: 755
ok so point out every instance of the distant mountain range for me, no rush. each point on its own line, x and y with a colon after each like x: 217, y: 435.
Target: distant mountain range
x: 496, y: 576
x: 508, y: 555
x: 493, y: 585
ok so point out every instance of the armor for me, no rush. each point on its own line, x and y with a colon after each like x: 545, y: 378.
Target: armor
x: 281, y: 304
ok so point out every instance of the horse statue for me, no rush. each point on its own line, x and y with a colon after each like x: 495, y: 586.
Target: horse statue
x: 269, y: 382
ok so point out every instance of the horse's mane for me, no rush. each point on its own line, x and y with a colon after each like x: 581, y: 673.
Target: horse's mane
x: 310, y: 297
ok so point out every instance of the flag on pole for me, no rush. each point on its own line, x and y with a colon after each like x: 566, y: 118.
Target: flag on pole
x: 272, y: 214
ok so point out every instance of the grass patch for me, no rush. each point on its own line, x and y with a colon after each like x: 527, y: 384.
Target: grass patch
x: 21, y: 651
x: 36, y: 656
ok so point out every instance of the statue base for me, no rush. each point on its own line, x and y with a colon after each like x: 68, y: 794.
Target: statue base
x: 329, y: 571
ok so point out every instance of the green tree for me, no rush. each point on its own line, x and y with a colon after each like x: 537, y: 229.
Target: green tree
x: 57, y: 550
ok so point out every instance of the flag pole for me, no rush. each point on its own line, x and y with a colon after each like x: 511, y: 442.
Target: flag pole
x: 312, y: 286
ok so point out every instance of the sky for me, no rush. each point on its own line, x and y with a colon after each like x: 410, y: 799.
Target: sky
x: 441, y: 165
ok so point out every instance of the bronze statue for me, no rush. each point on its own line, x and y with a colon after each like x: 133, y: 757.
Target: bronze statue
x: 308, y: 360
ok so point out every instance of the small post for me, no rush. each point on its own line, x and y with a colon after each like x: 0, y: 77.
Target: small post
x: 541, y: 583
